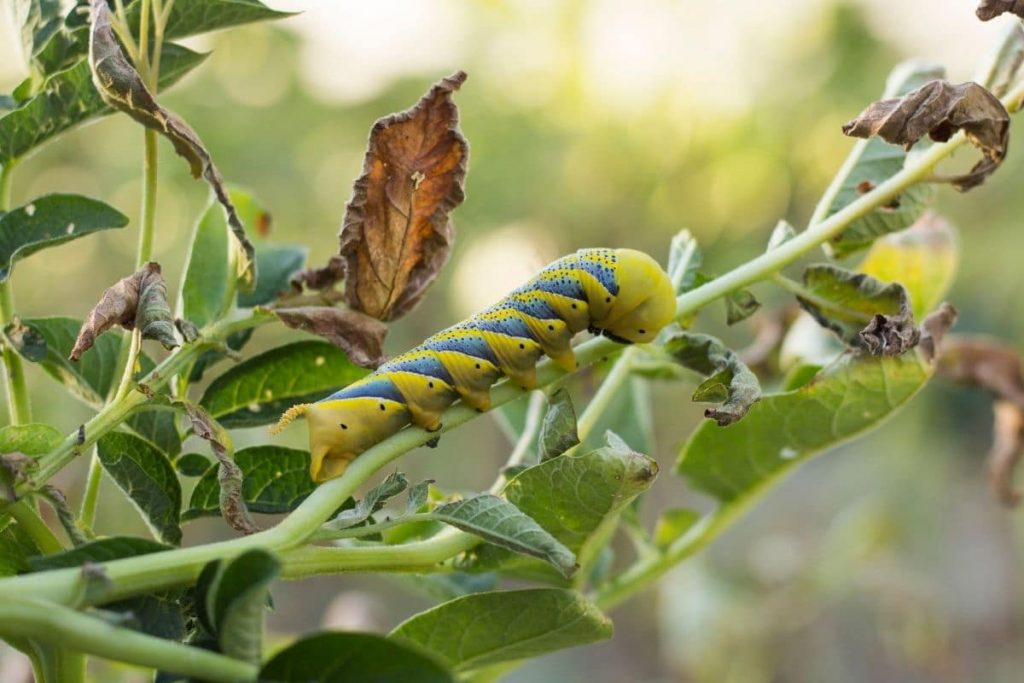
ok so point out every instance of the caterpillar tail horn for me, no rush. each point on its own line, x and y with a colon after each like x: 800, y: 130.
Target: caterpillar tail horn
x: 296, y: 411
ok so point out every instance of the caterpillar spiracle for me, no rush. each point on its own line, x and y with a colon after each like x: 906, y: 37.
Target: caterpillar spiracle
x: 622, y: 294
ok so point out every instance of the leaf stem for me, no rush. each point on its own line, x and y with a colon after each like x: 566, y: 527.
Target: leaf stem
x: 18, y: 405
x: 43, y: 620
x: 799, y: 290
x: 518, y: 456
x: 26, y: 515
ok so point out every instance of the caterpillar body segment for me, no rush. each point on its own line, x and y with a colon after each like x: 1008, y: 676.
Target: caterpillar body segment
x: 622, y: 293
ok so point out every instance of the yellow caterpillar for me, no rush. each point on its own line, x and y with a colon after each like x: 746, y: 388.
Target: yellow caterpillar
x: 620, y: 293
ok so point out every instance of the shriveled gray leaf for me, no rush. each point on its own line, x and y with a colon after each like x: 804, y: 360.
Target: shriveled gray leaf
x: 934, y: 329
x: 137, y: 301
x: 728, y: 381
x: 396, y: 235
x: 122, y: 88
x: 740, y: 305
x: 558, y: 429
x: 229, y: 475
x: 990, y: 9
x: 938, y: 110
x: 357, y: 334
x: 865, y: 312
x: 374, y: 500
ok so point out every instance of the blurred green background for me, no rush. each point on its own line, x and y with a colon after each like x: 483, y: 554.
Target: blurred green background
x: 612, y: 122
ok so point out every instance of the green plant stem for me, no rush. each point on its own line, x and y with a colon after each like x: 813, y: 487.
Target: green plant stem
x: 29, y: 519
x: 39, y: 619
x: 144, y: 573
x: 606, y: 393
x: 91, y: 493
x: 18, y: 406
x: 521, y: 449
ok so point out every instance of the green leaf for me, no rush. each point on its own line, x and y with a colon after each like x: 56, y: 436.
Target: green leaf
x: 99, y: 551
x: 89, y: 379
x: 503, y: 524
x: 192, y: 17
x: 158, y: 426
x: 257, y: 391
x: 30, y: 439
x: 68, y: 98
x: 728, y: 382
x: 782, y: 233
x: 847, y: 302
x: 237, y: 600
x: 16, y: 547
x: 923, y: 258
x: 275, y: 266
x: 352, y: 658
x: 194, y: 465
x: 871, y: 163
x: 208, y: 288
x: 275, y: 480
x: 147, y: 478
x: 783, y: 430
x: 1002, y: 69
x: 51, y: 220
x: 684, y: 258
x: 577, y: 498
x: 36, y: 21
x: 558, y: 430
x: 487, y: 628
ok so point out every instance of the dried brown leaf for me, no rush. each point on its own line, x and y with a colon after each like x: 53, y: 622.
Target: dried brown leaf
x: 229, y: 475
x: 121, y: 86
x: 990, y: 9
x: 137, y: 301
x: 985, y: 363
x: 320, y: 278
x: 934, y: 328
x: 359, y: 335
x: 1006, y: 452
x: 996, y: 367
x: 938, y: 109
x: 396, y: 235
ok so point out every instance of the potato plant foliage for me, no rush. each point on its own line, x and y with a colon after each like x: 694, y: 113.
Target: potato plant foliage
x: 520, y: 568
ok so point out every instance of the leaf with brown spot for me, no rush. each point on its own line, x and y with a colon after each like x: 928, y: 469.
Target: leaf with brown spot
x: 396, y: 235
x: 229, y: 475
x: 996, y: 367
x: 990, y: 9
x: 357, y: 334
x: 137, y: 301
x: 121, y: 86
x: 939, y: 109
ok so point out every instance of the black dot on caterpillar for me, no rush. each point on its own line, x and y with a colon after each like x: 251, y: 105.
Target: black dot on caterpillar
x: 637, y: 297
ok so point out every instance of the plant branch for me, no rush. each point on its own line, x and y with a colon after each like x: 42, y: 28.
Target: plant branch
x: 30, y: 521
x: 18, y: 405
x: 39, y: 619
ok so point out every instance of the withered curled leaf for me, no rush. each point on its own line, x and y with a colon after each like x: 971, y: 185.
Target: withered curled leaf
x: 320, y: 278
x: 357, y: 334
x: 934, y: 328
x: 728, y: 382
x: 229, y: 475
x: 137, y: 301
x: 865, y: 312
x: 121, y: 86
x: 990, y: 9
x: 396, y: 234
x: 996, y: 367
x: 1007, y: 451
x: 939, y: 109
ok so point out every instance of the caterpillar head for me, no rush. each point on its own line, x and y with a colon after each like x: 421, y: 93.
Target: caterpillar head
x: 339, y: 430
x: 646, y: 301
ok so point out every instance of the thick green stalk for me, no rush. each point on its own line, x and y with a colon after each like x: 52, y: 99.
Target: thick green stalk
x: 42, y: 620
x: 30, y: 521
x: 18, y: 406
